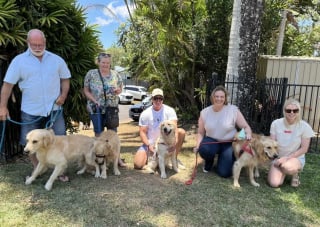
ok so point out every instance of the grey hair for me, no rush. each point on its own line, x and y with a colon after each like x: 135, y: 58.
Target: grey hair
x: 35, y: 31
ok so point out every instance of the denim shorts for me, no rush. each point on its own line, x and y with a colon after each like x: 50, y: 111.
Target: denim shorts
x: 38, y: 122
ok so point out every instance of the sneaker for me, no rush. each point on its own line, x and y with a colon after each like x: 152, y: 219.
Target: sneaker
x: 204, y: 170
x: 295, y: 181
x: 180, y: 165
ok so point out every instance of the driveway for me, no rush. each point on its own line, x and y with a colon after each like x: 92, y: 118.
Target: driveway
x: 124, y: 113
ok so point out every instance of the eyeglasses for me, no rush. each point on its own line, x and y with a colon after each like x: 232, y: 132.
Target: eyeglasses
x: 104, y: 55
x: 34, y: 46
x: 292, y: 110
x: 157, y: 98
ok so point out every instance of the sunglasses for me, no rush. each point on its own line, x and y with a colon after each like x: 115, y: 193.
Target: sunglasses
x: 290, y: 110
x: 157, y: 98
x: 104, y: 55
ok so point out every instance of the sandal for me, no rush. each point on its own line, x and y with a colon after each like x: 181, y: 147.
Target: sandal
x: 295, y: 182
x: 122, y: 163
x: 63, y: 178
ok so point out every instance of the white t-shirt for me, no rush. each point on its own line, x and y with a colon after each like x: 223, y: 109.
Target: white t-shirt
x: 152, y: 119
x: 289, y: 137
x: 220, y: 125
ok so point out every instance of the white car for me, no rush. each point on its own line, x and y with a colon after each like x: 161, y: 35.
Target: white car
x: 138, y: 92
x: 125, y: 97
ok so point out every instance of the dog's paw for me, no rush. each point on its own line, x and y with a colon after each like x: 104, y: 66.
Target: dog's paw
x: 176, y: 170
x: 28, y: 180
x: 163, y: 175
x: 80, y: 172
x: 117, y: 172
x: 97, y: 175
x: 236, y: 184
x: 48, y: 186
x: 255, y: 184
x: 103, y: 176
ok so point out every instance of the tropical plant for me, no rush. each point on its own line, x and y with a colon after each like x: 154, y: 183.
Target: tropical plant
x: 67, y: 33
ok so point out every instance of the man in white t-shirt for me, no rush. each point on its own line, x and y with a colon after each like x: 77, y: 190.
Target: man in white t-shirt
x: 149, y: 122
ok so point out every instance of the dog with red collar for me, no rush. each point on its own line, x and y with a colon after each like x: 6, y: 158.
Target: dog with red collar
x: 252, y: 153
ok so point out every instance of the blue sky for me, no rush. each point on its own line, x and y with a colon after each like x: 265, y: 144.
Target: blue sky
x: 107, y: 22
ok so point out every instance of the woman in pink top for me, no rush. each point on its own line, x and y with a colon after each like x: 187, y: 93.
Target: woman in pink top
x: 293, y: 136
x: 216, y: 129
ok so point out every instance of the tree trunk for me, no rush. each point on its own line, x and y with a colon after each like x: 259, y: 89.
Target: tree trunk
x: 243, y: 51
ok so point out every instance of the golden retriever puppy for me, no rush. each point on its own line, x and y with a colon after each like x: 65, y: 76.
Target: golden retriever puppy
x: 164, y: 149
x: 56, y: 152
x: 107, y: 150
x: 251, y: 154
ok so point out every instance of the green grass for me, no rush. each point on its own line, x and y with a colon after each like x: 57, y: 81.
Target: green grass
x: 139, y: 199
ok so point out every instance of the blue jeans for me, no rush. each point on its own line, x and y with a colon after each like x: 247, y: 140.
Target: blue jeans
x: 58, y: 126
x: 208, y: 150
x: 99, y: 121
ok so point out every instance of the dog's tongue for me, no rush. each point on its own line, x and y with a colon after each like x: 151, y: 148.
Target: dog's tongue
x: 167, y: 131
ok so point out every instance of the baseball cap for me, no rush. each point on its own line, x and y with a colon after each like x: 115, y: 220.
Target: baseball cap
x: 157, y: 92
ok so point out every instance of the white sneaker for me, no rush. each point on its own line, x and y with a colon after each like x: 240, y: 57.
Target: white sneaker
x: 205, y: 171
x: 180, y: 165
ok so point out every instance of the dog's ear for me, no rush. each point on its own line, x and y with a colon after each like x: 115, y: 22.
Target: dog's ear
x: 258, y: 147
x: 48, y: 138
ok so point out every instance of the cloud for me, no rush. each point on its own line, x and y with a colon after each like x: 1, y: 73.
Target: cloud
x: 112, y: 13
x: 102, y: 22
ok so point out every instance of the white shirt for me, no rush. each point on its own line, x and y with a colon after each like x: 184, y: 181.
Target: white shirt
x: 220, y: 125
x: 289, y: 137
x: 39, y: 81
x: 152, y: 119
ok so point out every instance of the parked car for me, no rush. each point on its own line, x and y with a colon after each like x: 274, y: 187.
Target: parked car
x: 125, y: 97
x: 138, y: 92
x: 136, y: 110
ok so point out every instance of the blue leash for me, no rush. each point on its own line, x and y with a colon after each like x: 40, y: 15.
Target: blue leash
x: 53, y: 117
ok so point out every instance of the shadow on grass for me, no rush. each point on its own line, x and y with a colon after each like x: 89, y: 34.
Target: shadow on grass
x: 136, y: 198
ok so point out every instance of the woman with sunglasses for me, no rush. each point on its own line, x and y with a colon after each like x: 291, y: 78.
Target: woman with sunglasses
x: 293, y: 136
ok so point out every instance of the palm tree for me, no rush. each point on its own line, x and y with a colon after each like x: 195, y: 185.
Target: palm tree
x: 243, y: 49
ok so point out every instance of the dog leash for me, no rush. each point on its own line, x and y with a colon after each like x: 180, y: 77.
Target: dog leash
x: 53, y: 117
x: 194, y: 172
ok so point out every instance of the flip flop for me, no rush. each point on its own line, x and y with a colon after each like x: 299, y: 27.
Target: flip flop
x: 122, y: 163
x: 63, y: 178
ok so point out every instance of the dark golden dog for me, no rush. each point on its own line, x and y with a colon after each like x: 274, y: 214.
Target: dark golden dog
x: 107, y: 150
x: 259, y: 150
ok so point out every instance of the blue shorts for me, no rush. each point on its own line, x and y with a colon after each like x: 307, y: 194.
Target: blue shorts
x: 58, y: 126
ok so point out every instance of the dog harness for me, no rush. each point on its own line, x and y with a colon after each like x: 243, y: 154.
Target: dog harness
x: 246, y: 148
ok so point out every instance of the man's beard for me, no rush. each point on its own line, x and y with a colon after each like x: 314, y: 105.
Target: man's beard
x: 37, y: 53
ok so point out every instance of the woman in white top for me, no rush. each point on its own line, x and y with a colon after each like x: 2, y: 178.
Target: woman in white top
x: 293, y: 136
x: 216, y: 129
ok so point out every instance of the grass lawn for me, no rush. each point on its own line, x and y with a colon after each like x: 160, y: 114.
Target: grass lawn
x: 139, y: 199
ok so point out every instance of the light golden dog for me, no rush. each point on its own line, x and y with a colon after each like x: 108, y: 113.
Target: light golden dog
x: 107, y: 150
x: 251, y: 154
x: 164, y: 149
x: 56, y: 152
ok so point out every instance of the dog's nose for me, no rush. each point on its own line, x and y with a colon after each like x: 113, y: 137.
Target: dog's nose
x: 275, y: 156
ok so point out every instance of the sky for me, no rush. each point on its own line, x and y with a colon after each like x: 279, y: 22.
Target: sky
x: 107, y: 22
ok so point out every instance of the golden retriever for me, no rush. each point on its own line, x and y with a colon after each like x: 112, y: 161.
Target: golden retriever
x: 56, y: 152
x: 251, y: 154
x: 164, y: 149
x: 107, y: 150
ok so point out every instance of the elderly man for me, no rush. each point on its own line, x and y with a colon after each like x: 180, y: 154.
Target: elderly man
x: 43, y: 78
